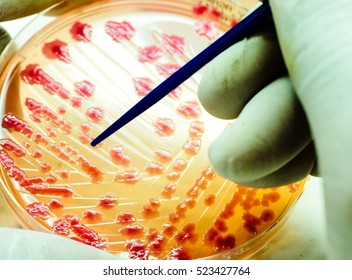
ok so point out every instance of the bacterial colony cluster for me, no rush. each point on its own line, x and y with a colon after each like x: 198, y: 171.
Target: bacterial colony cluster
x: 147, y: 192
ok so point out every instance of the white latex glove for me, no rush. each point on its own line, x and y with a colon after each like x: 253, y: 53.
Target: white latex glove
x: 279, y: 115
x: 13, y: 9
x: 20, y: 244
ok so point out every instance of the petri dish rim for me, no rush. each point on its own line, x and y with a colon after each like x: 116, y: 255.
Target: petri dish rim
x: 49, y: 23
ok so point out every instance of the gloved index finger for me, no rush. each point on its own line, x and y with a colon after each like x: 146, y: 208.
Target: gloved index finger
x: 5, y: 38
x: 236, y: 75
x: 13, y: 9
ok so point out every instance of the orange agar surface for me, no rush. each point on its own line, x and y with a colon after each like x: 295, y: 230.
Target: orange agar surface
x: 148, y: 191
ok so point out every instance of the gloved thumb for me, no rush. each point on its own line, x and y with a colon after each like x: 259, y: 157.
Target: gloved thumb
x: 315, y: 37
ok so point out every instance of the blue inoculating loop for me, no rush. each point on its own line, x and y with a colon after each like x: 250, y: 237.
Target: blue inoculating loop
x: 237, y: 33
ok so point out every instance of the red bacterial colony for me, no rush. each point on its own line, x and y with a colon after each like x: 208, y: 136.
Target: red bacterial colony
x: 132, y: 230
x: 128, y: 177
x: 137, y: 250
x: 92, y: 215
x: 60, y: 227
x: 85, y: 127
x: 42, y: 113
x: 125, y: 217
x: 215, y: 13
x: 11, y: 146
x: 173, y: 176
x: 38, y: 210
x: 149, y: 212
x: 62, y: 109
x: 84, y: 88
x: 209, y: 200
x: 76, y: 102
x: 154, y: 168
x: 233, y: 22
x: 119, y: 157
x: 95, y: 114
x: 81, y: 32
x: 208, y: 173
x: 163, y: 155
x: 189, y: 109
x: 45, y: 167
x: 37, y: 154
x: 192, y: 146
x: 196, y: 129
x: 173, y: 44
x: 179, y: 165
x: 119, y: 31
x: 47, y: 189
x: 91, y: 170
x: 167, y: 69
x: 51, y: 179
x: 108, y: 201
x: 164, y: 126
x: 10, y: 121
x: 57, y: 49
x: 143, y: 85
x: 168, y: 190
x: 207, y: 29
x: 87, y: 235
x: 199, y: 9
x: 55, y: 203
x: 149, y: 54
x: 178, y: 254
x: 33, y: 74
x: 39, y: 138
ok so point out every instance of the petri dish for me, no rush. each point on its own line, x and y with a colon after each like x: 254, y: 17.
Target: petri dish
x: 149, y: 191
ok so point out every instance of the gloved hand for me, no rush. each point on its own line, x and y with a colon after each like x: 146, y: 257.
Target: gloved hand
x: 13, y: 9
x: 24, y: 244
x: 20, y: 244
x: 288, y: 93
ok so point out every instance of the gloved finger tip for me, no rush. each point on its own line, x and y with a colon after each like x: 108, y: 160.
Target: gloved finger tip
x: 5, y: 39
